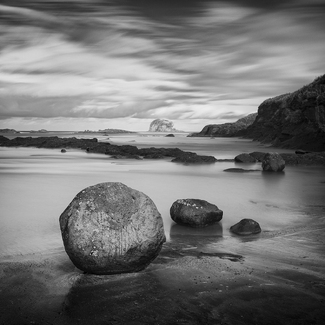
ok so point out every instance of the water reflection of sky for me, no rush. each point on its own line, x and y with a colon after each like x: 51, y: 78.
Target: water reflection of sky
x: 90, y: 64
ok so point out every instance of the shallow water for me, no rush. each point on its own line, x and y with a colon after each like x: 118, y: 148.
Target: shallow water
x: 36, y: 185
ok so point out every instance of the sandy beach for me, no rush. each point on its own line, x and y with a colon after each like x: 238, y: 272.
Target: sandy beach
x: 272, y: 278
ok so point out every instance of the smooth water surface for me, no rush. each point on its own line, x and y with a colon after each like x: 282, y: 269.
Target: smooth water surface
x: 36, y: 185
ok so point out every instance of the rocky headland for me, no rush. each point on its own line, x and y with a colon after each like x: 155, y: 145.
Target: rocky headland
x: 226, y: 129
x: 294, y: 120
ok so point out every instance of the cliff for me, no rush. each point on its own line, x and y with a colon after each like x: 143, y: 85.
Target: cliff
x: 295, y: 120
x: 161, y: 125
x: 226, y: 129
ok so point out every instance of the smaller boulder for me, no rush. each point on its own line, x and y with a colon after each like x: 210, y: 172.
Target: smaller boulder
x: 273, y: 162
x: 245, y: 158
x: 246, y: 227
x: 195, y: 213
x: 170, y: 135
x: 63, y: 150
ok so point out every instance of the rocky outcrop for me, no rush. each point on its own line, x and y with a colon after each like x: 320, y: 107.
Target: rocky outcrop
x: 295, y: 120
x: 246, y: 227
x: 161, y: 125
x: 195, y: 213
x: 193, y: 158
x: 273, y: 162
x: 226, y: 129
x: 245, y: 158
x: 115, y: 151
x: 306, y: 159
x: 110, y: 228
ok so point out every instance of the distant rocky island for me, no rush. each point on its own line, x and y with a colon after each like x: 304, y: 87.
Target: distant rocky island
x: 295, y: 120
x: 226, y: 129
x: 162, y: 125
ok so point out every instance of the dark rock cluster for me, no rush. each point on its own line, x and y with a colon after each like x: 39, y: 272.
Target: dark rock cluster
x: 117, y: 152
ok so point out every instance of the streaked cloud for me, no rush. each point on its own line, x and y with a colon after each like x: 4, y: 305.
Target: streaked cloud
x: 211, y: 63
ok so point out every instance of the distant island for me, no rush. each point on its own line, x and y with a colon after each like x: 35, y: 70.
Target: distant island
x: 8, y: 131
x: 107, y: 131
x: 162, y: 125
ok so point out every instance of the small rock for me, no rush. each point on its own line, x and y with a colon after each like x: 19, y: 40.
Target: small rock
x: 273, y: 162
x: 170, y: 135
x: 240, y: 170
x: 195, y: 213
x: 246, y: 227
x: 245, y: 158
x: 63, y: 150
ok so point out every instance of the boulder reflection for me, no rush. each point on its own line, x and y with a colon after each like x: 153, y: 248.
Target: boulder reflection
x: 210, y: 231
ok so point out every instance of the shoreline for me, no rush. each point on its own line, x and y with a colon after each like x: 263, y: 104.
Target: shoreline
x: 276, y: 279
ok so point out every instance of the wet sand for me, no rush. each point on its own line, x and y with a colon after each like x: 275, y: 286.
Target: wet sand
x: 275, y: 278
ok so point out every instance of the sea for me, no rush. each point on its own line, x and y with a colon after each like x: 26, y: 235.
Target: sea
x: 36, y: 185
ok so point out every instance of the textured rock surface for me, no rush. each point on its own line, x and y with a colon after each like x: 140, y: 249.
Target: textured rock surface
x: 245, y: 158
x: 226, y: 129
x: 110, y: 228
x: 273, y: 162
x: 246, y: 227
x: 195, y: 213
x: 295, y: 120
x: 193, y: 158
x: 161, y: 125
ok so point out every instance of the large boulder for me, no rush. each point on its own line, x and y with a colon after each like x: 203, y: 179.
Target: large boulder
x: 246, y: 227
x: 273, y: 162
x: 195, y: 213
x: 110, y: 228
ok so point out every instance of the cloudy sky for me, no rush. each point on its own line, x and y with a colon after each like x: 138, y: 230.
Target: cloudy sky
x: 94, y: 64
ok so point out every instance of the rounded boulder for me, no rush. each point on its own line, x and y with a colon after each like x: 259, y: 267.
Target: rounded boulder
x: 273, y: 162
x: 246, y: 227
x: 110, y: 228
x: 195, y: 213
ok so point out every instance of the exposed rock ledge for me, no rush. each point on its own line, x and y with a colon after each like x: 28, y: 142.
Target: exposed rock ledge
x: 92, y: 145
